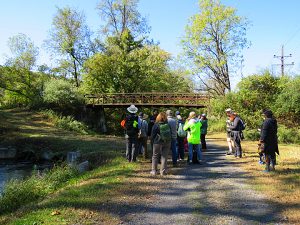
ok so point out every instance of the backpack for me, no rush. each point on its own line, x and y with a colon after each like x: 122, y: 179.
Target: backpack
x: 180, y: 131
x: 131, y: 126
x: 165, y: 132
x: 243, y: 124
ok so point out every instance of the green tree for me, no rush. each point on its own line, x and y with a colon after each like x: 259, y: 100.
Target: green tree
x: 213, y: 42
x: 71, y: 39
x: 122, y: 15
x: 24, y: 52
x: 19, y: 84
x: 127, y: 66
x: 288, y: 102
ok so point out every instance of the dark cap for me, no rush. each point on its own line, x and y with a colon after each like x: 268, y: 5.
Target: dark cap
x: 267, y: 112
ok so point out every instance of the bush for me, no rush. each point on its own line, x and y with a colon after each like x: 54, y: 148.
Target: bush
x: 288, y: 136
x: 216, y: 125
x: 65, y: 122
x: 62, y: 94
x: 252, y: 135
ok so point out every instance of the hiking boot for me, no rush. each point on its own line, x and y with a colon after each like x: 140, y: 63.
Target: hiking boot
x: 228, y: 153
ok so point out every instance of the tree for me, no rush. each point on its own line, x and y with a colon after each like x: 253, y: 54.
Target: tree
x: 71, y: 38
x: 24, y: 53
x: 287, y: 104
x: 122, y: 15
x: 214, y: 40
x: 126, y: 66
x: 19, y: 84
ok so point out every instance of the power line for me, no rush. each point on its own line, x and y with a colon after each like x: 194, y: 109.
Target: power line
x: 282, y: 60
x: 292, y: 36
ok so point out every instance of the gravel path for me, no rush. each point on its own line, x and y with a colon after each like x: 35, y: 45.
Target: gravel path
x: 215, y: 192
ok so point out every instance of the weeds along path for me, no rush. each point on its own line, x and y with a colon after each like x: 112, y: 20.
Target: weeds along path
x: 216, y: 192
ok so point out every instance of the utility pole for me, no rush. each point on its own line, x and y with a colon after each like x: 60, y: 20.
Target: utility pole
x: 282, y: 60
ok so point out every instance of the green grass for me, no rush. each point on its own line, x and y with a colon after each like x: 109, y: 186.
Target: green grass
x: 80, y: 201
x: 74, y: 196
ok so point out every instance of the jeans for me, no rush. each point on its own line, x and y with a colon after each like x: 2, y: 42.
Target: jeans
x: 174, y: 151
x: 197, y: 147
x: 131, y: 148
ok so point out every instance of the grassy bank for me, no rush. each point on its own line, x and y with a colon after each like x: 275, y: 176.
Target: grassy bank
x: 281, y: 186
x: 57, y: 192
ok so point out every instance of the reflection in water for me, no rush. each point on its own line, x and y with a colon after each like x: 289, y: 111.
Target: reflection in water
x: 11, y: 170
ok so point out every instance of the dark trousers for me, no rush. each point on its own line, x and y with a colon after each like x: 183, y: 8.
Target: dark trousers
x: 203, y: 142
x: 180, y: 143
x: 131, y: 148
x: 237, y: 144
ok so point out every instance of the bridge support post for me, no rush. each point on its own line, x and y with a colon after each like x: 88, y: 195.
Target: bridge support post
x: 95, y: 116
x: 101, y: 120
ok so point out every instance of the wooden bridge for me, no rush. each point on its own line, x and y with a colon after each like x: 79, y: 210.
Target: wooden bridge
x: 120, y: 100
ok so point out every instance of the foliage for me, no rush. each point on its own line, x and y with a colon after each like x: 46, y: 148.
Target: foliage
x: 70, y: 38
x: 122, y: 15
x: 21, y: 192
x: 288, y: 102
x: 61, y: 93
x: 288, y: 135
x: 127, y: 67
x: 24, y: 53
x: 66, y: 122
x: 21, y: 86
x: 214, y: 40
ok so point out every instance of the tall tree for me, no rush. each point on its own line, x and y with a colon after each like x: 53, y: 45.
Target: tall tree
x: 122, y: 15
x: 126, y: 66
x: 213, y: 42
x: 17, y: 81
x: 70, y: 38
x: 24, y: 52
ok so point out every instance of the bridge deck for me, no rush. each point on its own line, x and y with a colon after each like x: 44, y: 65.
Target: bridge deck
x: 121, y: 100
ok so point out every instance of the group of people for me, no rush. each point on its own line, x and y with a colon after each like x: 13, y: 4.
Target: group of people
x: 167, y: 132
x: 268, y: 142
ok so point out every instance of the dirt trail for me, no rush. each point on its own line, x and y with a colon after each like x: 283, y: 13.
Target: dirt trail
x: 215, y: 192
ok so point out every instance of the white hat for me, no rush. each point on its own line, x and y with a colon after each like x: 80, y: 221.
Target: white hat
x: 132, y: 109
x: 229, y: 110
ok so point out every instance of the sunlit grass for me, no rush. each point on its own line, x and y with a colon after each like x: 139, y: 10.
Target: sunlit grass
x: 87, y: 199
x: 281, y: 186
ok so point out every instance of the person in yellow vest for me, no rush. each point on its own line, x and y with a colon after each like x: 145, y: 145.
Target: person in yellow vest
x: 193, y: 128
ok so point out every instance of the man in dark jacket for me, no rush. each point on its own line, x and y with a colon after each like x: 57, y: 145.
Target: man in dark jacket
x: 236, y: 129
x: 268, y: 137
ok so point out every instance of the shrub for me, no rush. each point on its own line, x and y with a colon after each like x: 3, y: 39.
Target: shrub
x: 216, y: 125
x: 65, y: 122
x: 62, y: 94
x: 288, y: 135
x: 252, y: 135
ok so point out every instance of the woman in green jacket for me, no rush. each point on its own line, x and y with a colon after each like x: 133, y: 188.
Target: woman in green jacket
x: 193, y: 127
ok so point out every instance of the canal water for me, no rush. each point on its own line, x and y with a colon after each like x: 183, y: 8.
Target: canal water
x: 12, y: 170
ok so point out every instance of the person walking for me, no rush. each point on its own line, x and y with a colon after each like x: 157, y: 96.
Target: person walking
x: 268, y: 138
x: 236, y: 128
x: 132, y: 125
x: 173, y: 126
x: 193, y: 128
x: 161, y: 139
x: 203, y: 121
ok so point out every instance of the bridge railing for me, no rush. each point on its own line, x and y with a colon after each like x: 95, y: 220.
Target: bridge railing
x: 110, y: 99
